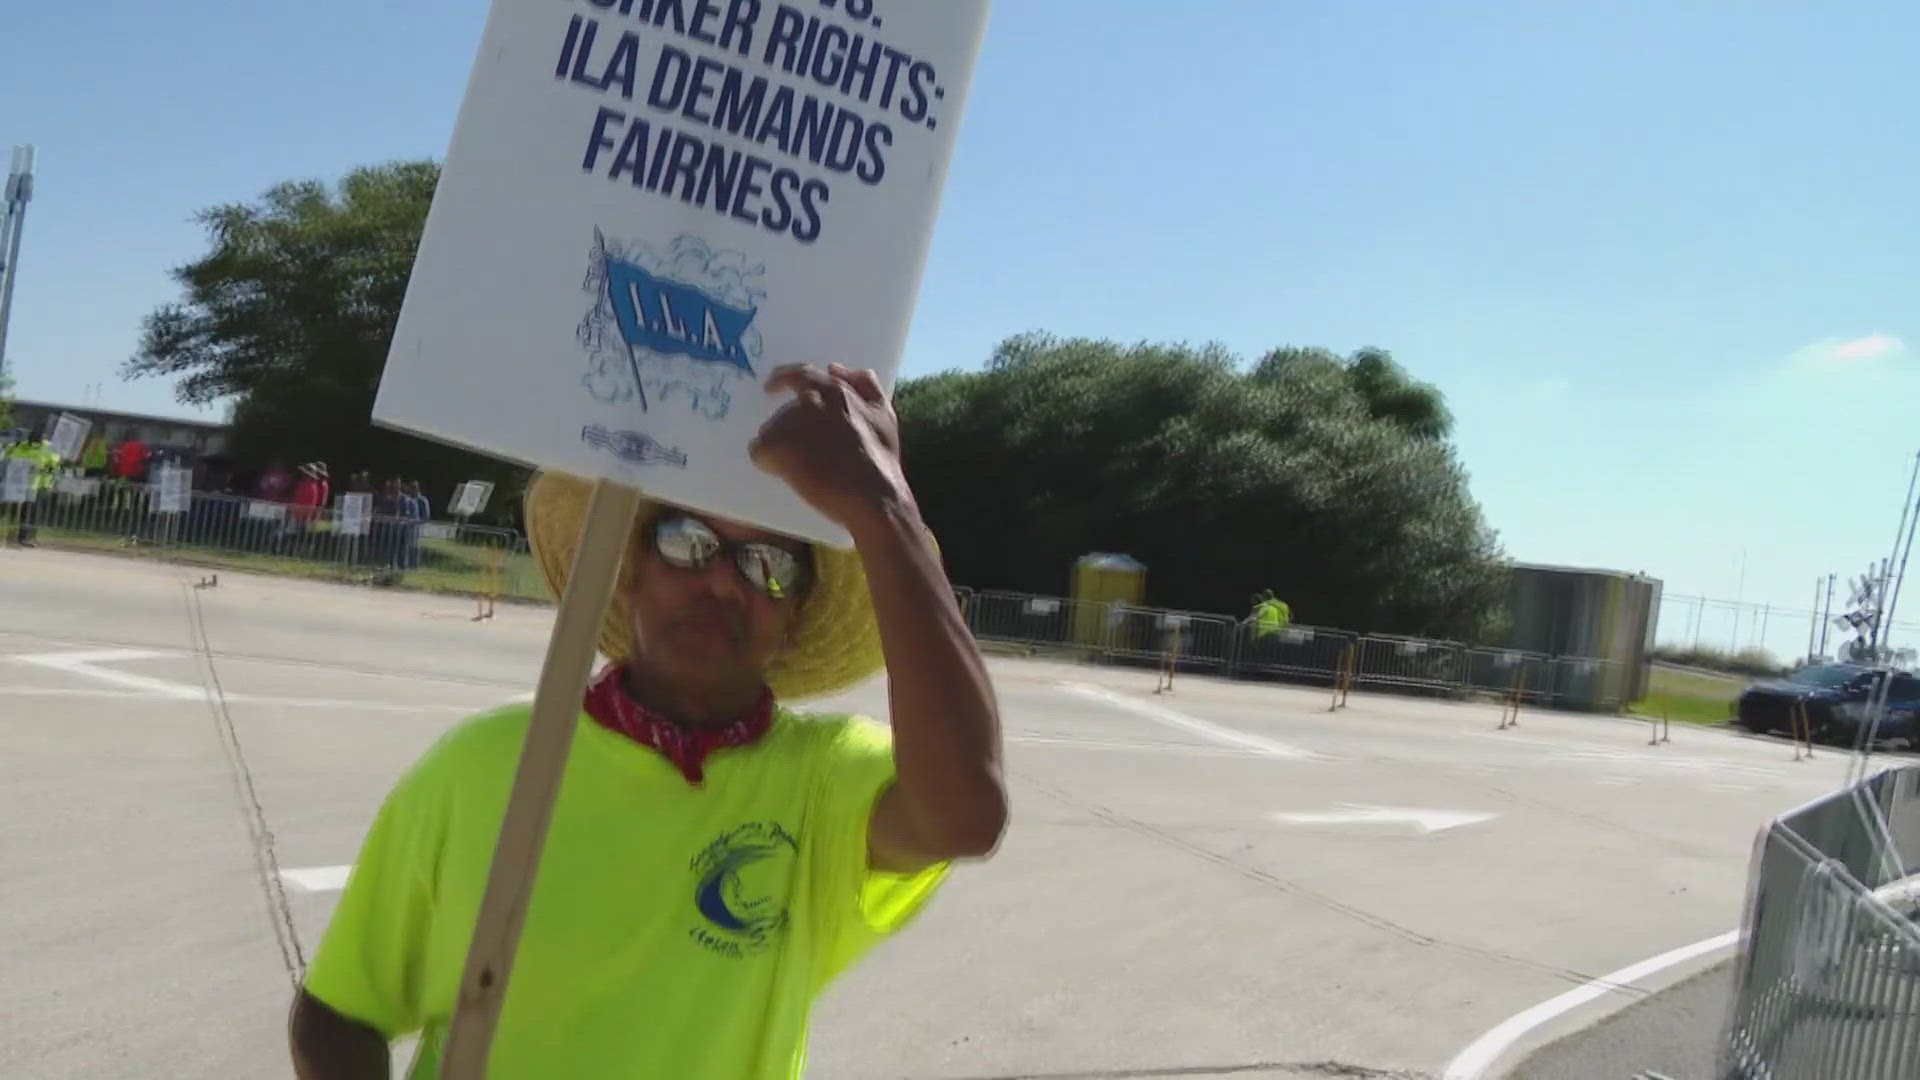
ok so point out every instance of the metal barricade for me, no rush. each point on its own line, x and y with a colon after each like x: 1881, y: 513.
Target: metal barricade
x: 1389, y: 660
x: 1024, y: 619
x: 1203, y: 642
x: 244, y: 533
x: 1589, y: 685
x: 1509, y: 673
x: 1829, y: 980
x: 1300, y: 652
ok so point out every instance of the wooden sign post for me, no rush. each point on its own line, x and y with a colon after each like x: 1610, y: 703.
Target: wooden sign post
x: 536, y: 783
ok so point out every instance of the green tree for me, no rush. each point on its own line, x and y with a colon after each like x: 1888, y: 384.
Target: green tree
x: 1328, y: 480
x: 290, y: 313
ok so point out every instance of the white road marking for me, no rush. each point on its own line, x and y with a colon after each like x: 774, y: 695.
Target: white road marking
x: 83, y: 663
x: 87, y: 664
x: 76, y: 691
x: 317, y: 879
x: 1146, y: 747
x: 1474, y: 1062
x: 1225, y: 736
x: 1656, y: 760
x: 1426, y: 821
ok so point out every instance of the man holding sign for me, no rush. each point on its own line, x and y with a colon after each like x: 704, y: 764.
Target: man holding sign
x: 645, y: 210
x: 714, y: 859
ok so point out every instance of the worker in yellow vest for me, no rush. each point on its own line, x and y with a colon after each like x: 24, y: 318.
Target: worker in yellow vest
x: 93, y: 459
x: 1270, y: 616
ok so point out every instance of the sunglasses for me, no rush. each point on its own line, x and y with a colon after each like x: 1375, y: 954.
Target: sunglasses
x: 689, y: 543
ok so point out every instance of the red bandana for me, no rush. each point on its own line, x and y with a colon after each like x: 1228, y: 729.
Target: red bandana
x: 611, y: 707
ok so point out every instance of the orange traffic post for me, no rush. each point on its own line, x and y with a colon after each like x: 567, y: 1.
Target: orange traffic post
x: 490, y: 571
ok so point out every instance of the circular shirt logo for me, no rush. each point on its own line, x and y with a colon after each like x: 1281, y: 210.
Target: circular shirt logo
x: 740, y: 888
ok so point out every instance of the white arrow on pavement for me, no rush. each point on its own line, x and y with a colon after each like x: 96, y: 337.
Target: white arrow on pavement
x: 1426, y: 821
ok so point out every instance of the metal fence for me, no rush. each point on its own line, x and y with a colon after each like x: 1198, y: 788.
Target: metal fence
x: 452, y: 556
x: 1121, y: 632
x: 1509, y: 673
x: 458, y: 557
x: 1410, y: 663
x: 1312, y: 653
x: 1829, y: 982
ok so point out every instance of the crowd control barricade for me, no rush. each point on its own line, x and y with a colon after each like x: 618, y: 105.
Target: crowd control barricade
x: 1311, y: 653
x: 1409, y: 662
x: 1196, y: 641
x: 1023, y: 619
x: 1511, y: 673
x: 245, y: 533
x: 1828, y: 984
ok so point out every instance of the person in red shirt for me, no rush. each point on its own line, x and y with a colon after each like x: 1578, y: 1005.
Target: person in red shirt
x: 309, y: 494
x: 130, y: 460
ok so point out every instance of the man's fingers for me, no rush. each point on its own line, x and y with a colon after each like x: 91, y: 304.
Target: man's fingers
x: 798, y: 377
x: 864, y: 381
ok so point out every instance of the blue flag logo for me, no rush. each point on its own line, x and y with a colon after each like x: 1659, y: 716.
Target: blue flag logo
x: 671, y: 318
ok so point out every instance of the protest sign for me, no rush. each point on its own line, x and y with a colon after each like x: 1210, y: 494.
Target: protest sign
x: 69, y: 435
x: 647, y: 207
x: 173, y: 489
x: 471, y: 498
x: 354, y: 510
x: 16, y: 480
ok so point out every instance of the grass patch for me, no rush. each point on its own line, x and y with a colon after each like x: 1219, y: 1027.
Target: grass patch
x: 1690, y: 697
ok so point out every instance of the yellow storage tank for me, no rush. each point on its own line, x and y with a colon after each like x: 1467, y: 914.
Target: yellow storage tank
x: 1099, y: 579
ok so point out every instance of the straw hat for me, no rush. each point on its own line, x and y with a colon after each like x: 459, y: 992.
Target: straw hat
x: 834, y: 645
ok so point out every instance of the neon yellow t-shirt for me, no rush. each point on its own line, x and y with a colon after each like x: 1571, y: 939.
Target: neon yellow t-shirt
x: 673, y: 931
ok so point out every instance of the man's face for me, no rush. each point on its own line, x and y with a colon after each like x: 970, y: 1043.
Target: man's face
x: 706, y: 625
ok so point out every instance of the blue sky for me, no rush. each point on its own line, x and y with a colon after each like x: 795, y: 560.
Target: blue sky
x: 1660, y: 258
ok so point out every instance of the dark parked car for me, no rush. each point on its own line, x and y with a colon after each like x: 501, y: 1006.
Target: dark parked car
x: 1836, y: 697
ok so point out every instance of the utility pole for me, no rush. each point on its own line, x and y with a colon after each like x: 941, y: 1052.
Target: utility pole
x: 1909, y: 519
x: 1739, y: 595
x: 1813, y: 622
x: 1826, y: 615
x: 19, y: 192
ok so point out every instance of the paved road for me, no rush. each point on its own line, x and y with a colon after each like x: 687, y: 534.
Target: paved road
x: 1148, y: 915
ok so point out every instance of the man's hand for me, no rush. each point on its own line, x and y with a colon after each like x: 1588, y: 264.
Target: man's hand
x: 837, y: 443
